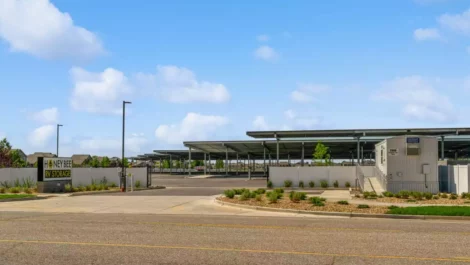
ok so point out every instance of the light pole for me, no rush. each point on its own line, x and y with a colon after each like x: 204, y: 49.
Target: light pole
x: 58, y: 125
x: 123, y: 171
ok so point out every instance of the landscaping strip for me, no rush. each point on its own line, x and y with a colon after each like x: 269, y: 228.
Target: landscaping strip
x: 17, y: 197
x: 82, y: 193
x: 433, y: 210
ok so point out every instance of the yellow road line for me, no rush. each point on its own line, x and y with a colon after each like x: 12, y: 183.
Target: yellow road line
x: 230, y: 250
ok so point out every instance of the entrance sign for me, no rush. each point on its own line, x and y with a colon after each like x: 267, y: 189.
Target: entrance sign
x: 393, y: 151
x: 57, y: 169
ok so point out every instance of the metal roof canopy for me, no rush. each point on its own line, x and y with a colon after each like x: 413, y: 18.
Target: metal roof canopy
x: 340, y: 148
x: 359, y: 133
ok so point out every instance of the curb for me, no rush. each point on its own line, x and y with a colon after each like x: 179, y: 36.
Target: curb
x: 83, y: 193
x: 350, y: 214
x: 24, y: 199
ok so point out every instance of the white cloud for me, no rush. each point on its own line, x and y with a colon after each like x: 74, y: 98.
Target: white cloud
x: 456, y: 22
x: 290, y: 114
x: 133, y: 145
x: 179, y: 85
x: 46, y: 116
x: 194, y: 127
x: 426, y: 34
x: 305, y: 92
x: 262, y: 37
x: 266, y: 53
x: 418, y: 98
x: 41, y: 136
x: 99, y: 92
x: 37, y: 27
x: 259, y: 123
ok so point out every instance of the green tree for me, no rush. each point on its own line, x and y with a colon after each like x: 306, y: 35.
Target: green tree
x: 16, y: 160
x: 177, y: 164
x: 321, y: 153
x: 5, y: 156
x: 105, y: 162
x: 166, y: 163
x: 219, y: 164
x: 95, y: 162
x: 125, y: 162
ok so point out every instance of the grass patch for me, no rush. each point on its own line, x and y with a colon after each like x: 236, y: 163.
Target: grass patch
x: 343, y: 202
x: 363, y: 206
x: 16, y: 196
x: 433, y: 210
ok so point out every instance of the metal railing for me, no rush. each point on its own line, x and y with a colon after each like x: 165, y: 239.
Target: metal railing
x: 381, y: 177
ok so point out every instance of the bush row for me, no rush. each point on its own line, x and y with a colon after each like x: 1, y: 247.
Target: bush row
x: 323, y: 183
x: 404, y: 194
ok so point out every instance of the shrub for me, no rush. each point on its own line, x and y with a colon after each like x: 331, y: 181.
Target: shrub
x: 435, y: 197
x: 272, y: 197
x: 240, y: 191
x: 5, y: 184
x: 391, y: 207
x: 427, y: 195
x: 2, y: 190
x: 324, y: 184
x: 279, y: 190
x: 464, y: 195
x: 28, y: 190
x: 287, y: 183
x: 417, y: 195
x: 17, y: 183
x: 81, y: 188
x: 229, y: 194
x: 301, y: 184
x: 363, y: 206
x: 245, y: 195
x: 311, y: 184
x: 75, y: 189
x: 357, y: 195
x: 380, y: 196
x: 317, y: 201
x: 258, y: 197
x: 88, y: 187
x: 68, y: 187
x: 336, y: 184
x: 270, y: 185
x: 297, y: 196
x: 347, y: 184
x: 410, y: 200
x: 453, y: 196
x: 27, y: 183
x: 105, y: 187
x: 404, y: 194
x: 99, y: 187
x: 14, y: 190
x: 112, y: 185
x: 137, y: 184
x: 387, y: 194
x: 343, y: 202
x: 260, y: 191
x: 278, y: 195
x: 369, y: 195
x: 444, y: 195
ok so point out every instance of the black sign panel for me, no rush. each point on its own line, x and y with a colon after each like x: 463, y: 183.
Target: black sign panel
x: 412, y: 140
x: 58, y: 173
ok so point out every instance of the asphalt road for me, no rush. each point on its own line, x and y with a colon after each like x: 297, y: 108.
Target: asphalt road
x: 231, y: 182
x: 111, y: 239
x: 175, y: 191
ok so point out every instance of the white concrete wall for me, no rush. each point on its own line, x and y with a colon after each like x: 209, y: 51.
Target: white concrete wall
x: 459, y: 179
x: 368, y: 171
x: 12, y: 174
x: 381, y: 156
x: 80, y: 176
x: 277, y: 175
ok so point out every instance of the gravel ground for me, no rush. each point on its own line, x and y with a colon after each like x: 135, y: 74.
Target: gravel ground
x: 286, y: 203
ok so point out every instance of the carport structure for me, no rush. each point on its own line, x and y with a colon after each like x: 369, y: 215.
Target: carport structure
x: 271, y: 146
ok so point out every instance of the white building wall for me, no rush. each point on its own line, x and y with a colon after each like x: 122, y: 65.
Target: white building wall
x: 459, y: 179
x: 381, y: 156
x: 342, y: 174
x: 406, y: 171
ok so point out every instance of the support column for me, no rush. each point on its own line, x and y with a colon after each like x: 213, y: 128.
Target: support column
x: 303, y: 154
x: 442, y: 147
x: 205, y: 164
x: 226, y: 161
x: 264, y: 161
x: 358, y: 149
x: 288, y: 159
x: 270, y: 164
x: 254, y: 166
x: 277, y: 152
x: 456, y: 155
x: 210, y: 163
x: 189, y: 162
x: 249, y: 171
x: 171, y: 165
x: 237, y: 165
x: 362, y: 155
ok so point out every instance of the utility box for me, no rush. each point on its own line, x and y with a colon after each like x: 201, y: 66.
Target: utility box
x: 409, y: 163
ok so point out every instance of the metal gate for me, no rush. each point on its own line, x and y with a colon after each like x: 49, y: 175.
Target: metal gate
x: 443, y: 176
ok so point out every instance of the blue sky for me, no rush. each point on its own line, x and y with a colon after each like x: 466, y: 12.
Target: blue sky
x: 211, y: 70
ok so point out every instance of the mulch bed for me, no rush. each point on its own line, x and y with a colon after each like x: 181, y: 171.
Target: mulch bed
x: 286, y: 203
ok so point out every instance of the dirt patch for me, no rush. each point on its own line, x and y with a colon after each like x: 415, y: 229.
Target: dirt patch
x: 306, y: 205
